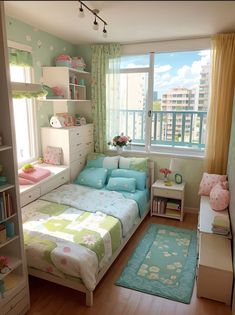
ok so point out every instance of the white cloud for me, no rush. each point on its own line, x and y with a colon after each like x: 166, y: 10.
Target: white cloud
x: 164, y: 68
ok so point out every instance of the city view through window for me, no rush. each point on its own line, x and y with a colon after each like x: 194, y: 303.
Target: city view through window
x: 180, y: 98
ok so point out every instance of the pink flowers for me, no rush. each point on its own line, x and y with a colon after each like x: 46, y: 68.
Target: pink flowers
x: 165, y: 171
x: 120, y: 141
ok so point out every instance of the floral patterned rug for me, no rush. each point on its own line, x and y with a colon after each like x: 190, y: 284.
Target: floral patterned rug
x: 163, y: 263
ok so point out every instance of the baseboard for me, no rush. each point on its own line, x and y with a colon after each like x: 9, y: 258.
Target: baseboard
x: 191, y: 210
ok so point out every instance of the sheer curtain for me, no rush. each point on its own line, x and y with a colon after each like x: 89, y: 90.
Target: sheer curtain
x: 220, y: 111
x: 104, y: 92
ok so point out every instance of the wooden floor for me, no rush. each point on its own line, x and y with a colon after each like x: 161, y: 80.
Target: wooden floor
x: 51, y: 299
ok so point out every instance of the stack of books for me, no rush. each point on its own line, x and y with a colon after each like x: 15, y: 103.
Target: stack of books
x: 221, y: 225
x: 160, y: 205
x: 6, y: 206
x: 173, y: 208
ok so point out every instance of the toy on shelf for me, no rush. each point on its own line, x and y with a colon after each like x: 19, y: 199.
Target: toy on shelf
x: 55, y: 92
x: 40, y: 160
x: 63, y: 61
x: 78, y: 63
x: 68, y: 119
x: 28, y: 168
x: 79, y: 121
x: 57, y: 122
x: 4, y: 264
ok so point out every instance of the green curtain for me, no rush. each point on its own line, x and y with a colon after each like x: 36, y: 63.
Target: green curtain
x: 20, y: 57
x: 101, y: 56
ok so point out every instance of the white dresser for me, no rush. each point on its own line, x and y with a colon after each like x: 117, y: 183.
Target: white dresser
x: 76, y: 142
x: 59, y: 175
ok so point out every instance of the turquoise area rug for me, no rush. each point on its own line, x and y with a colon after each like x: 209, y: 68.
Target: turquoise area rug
x: 163, y: 263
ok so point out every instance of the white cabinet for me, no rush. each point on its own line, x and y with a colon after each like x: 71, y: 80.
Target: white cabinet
x: 60, y: 175
x: 73, y: 82
x: 76, y: 143
x: 14, y: 296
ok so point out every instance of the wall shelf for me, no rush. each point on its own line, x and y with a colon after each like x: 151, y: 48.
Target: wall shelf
x: 9, y: 240
x: 5, y: 147
x: 6, y: 187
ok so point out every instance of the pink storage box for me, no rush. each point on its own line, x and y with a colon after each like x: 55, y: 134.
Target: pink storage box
x: 36, y: 175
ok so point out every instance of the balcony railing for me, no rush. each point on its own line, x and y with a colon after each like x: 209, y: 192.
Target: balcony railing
x: 173, y: 128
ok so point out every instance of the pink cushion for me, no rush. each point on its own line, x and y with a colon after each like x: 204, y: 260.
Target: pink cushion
x: 53, y: 155
x: 24, y: 181
x: 35, y: 176
x: 219, y: 196
x: 208, y: 182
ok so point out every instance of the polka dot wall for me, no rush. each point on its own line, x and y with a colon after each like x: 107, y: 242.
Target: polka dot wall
x: 45, y: 47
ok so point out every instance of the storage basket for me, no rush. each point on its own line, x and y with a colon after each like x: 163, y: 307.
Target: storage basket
x: 63, y: 63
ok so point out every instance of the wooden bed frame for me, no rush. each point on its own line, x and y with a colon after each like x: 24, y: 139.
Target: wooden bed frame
x: 79, y: 286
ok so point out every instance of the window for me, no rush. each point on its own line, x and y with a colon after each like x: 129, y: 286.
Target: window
x: 24, y: 118
x: 161, y: 106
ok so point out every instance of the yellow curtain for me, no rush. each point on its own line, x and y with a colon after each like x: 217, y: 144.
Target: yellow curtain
x: 220, y: 110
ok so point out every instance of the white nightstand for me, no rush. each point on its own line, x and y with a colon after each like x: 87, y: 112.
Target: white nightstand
x: 167, y: 201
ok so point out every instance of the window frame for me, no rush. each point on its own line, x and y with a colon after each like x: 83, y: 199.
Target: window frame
x: 152, y: 49
x: 31, y: 110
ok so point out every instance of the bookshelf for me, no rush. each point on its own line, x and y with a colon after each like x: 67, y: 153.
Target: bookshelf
x: 14, y: 292
x: 167, y: 201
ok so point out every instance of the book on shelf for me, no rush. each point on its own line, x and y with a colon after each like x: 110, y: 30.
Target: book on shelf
x: 6, y: 206
x: 173, y: 204
x: 173, y: 213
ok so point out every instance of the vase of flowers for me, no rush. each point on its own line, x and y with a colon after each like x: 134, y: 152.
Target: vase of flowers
x: 120, y: 142
x: 166, y: 172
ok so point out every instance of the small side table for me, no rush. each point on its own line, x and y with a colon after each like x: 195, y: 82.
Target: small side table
x: 167, y: 201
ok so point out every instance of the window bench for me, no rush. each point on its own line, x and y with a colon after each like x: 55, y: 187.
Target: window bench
x: 60, y: 175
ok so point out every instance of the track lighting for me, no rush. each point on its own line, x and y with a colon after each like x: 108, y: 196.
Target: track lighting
x: 95, y: 12
x: 95, y: 25
x: 81, y: 11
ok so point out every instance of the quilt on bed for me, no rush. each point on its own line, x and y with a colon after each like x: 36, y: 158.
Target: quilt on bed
x: 63, y: 239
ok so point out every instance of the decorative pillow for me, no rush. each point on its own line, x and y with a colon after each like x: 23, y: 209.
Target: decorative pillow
x: 36, y: 175
x: 140, y: 177
x: 208, y: 182
x: 100, y: 160
x: 24, y: 181
x: 133, y: 163
x: 53, y: 155
x: 219, y: 196
x: 92, y: 177
x: 122, y: 184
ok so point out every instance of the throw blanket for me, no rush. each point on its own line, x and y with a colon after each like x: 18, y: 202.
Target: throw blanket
x: 88, y: 199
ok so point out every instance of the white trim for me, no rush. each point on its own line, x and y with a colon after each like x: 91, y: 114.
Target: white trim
x: 148, y: 124
x: 20, y: 46
x: 167, y: 46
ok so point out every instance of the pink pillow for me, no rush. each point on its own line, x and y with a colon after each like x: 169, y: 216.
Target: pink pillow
x: 219, y: 196
x: 35, y: 176
x: 24, y: 181
x: 208, y: 182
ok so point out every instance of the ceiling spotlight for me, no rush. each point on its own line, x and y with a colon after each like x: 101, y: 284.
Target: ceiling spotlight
x: 81, y: 11
x: 95, y: 25
x: 105, y: 33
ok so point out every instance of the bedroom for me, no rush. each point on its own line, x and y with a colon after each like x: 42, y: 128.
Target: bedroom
x: 167, y: 74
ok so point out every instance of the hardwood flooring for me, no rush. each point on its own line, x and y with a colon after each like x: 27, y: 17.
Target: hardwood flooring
x: 51, y: 299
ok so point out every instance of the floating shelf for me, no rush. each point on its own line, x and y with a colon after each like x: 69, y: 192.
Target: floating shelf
x: 6, y: 187
x: 5, y: 147
x: 13, y: 264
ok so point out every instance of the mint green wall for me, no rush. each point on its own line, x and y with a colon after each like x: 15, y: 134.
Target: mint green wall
x: 45, y: 48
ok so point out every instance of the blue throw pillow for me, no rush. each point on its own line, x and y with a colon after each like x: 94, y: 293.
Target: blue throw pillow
x: 122, y: 184
x: 140, y: 177
x: 92, y: 177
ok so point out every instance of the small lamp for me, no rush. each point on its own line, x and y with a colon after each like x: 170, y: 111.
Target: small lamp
x: 175, y: 167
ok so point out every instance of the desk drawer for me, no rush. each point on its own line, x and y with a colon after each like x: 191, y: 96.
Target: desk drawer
x: 29, y: 196
x: 77, y: 154
x: 55, y: 182
x: 167, y: 193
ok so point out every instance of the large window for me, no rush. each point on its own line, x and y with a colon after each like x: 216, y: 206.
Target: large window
x: 24, y: 118
x: 164, y: 99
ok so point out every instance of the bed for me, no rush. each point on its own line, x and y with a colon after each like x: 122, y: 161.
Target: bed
x: 74, y: 233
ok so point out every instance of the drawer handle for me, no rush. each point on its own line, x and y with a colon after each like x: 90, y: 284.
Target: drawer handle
x: 30, y: 196
x: 77, y: 133
x: 62, y: 177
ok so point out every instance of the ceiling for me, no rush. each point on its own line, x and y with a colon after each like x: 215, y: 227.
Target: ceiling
x: 128, y: 21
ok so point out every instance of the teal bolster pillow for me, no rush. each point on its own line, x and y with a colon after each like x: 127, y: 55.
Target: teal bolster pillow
x: 122, y: 184
x: 92, y: 177
x: 140, y: 177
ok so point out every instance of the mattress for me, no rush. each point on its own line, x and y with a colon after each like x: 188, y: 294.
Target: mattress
x: 74, y: 230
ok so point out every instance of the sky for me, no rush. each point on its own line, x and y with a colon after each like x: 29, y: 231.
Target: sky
x: 178, y: 69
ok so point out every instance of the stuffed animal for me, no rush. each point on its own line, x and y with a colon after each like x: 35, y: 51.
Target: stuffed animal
x: 57, y: 121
